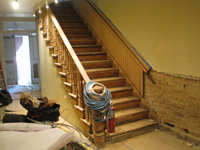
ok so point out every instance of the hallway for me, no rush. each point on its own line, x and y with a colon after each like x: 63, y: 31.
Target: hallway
x: 155, y: 140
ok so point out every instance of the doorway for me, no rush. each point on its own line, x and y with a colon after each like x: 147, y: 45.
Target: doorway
x: 23, y: 60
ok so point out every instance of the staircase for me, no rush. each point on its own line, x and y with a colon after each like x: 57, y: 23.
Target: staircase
x: 130, y: 118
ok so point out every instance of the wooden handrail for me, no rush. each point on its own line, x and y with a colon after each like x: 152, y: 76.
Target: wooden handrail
x: 69, y: 66
x: 69, y: 47
x: 132, y: 51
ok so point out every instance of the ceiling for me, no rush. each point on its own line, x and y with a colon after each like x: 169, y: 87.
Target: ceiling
x: 25, y: 8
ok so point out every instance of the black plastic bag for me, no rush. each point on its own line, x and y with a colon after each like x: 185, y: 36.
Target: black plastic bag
x: 49, y: 113
x: 5, y: 97
x: 9, y: 118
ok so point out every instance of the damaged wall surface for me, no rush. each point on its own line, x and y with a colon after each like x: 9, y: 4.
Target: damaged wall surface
x: 176, y: 101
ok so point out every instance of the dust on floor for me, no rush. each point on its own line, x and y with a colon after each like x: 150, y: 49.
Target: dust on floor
x: 155, y: 140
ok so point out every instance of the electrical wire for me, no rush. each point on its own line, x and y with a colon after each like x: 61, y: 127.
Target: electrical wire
x: 67, y: 115
x: 101, y: 106
x: 62, y: 124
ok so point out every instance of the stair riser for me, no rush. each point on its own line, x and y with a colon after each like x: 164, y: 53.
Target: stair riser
x: 76, y: 30
x: 71, y: 24
x: 97, y: 65
x: 103, y: 74
x: 66, y: 15
x: 92, y: 57
x: 131, y: 118
x: 62, y: 8
x: 89, y: 42
x: 124, y: 93
x: 87, y: 49
x: 68, y: 18
x: 57, y: 13
x: 79, y: 35
x: 116, y: 83
x: 127, y: 105
x: 66, y: 12
x: 61, y: 4
x: 127, y: 135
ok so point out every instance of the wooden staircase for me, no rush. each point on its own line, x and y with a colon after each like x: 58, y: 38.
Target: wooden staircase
x: 130, y: 118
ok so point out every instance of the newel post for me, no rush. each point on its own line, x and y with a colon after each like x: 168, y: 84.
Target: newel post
x: 98, y: 133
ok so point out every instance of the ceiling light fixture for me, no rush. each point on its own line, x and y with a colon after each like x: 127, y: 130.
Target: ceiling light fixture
x: 33, y: 12
x: 39, y: 8
x: 47, y: 5
x: 15, y: 4
x: 56, y: 1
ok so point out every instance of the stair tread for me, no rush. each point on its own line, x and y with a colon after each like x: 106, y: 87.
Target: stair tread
x: 95, y: 61
x: 128, y: 112
x: 81, y: 39
x: 101, y: 69
x: 65, y: 15
x: 124, y: 99
x: 71, y: 21
x: 85, y: 46
x: 108, y: 79
x: 90, y: 53
x: 54, y: 55
x: 120, y: 88
x: 132, y: 126
x: 80, y: 26
x: 61, y: 4
x: 64, y: 6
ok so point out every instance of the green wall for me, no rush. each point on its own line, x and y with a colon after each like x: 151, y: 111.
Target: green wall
x: 166, y: 33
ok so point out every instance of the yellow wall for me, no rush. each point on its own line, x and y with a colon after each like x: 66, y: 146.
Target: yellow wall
x: 166, y: 33
x: 52, y: 87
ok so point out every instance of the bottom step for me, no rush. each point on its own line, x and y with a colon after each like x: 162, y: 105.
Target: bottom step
x: 123, y: 132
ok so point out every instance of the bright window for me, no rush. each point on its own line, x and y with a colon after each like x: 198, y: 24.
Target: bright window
x: 18, y: 25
